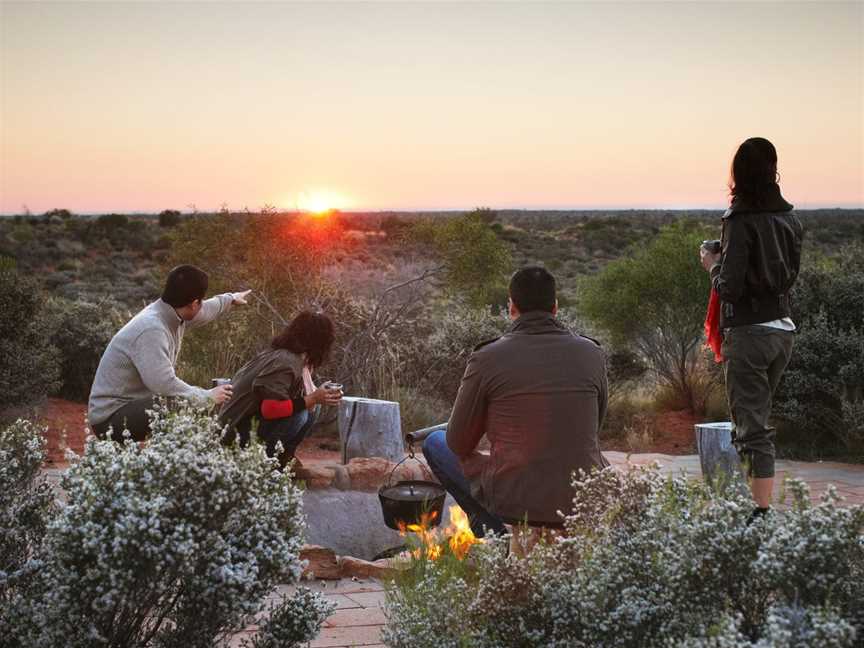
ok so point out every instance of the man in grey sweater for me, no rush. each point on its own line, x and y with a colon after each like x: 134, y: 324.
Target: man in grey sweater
x: 139, y: 361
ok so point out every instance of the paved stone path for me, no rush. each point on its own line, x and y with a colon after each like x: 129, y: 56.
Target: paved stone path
x: 848, y: 479
x: 359, y: 615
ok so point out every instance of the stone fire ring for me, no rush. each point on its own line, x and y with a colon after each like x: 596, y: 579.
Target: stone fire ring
x: 344, y: 524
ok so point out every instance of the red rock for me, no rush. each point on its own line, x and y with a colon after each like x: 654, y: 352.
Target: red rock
x: 364, y: 568
x: 414, y: 470
x: 322, y: 561
x: 368, y: 473
x: 316, y: 476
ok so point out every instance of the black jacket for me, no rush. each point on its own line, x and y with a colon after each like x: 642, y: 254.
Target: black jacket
x: 761, y: 257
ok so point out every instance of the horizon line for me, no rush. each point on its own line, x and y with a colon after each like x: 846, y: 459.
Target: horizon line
x: 391, y: 210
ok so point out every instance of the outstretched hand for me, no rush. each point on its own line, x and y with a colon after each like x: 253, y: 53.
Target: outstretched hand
x: 239, y: 298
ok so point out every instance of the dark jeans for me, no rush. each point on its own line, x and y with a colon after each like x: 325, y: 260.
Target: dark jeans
x: 756, y: 357
x: 132, y: 416
x: 290, y: 431
x: 445, y: 466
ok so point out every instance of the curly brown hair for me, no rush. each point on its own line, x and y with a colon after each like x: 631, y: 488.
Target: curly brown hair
x: 309, y: 333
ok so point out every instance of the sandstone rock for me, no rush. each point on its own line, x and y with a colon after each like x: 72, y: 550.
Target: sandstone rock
x: 341, y: 480
x: 364, y: 568
x: 368, y: 473
x: 323, y: 563
x: 316, y: 475
x: 414, y: 470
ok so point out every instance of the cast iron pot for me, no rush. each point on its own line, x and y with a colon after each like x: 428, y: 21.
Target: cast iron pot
x: 412, y: 501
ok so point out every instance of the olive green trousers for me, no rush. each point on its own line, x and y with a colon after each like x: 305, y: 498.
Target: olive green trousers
x: 756, y: 357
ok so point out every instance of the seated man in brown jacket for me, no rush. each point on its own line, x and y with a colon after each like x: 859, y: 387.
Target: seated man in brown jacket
x: 539, y: 394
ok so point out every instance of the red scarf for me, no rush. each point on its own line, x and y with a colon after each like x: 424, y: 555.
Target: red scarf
x: 712, y: 326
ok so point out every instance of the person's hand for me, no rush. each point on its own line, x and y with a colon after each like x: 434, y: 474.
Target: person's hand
x: 324, y: 396
x: 239, y: 298
x: 709, y: 259
x: 221, y: 393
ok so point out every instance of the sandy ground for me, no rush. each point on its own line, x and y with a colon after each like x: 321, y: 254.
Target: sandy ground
x: 66, y: 425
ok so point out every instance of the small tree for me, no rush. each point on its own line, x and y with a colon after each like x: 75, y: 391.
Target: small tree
x: 63, y: 214
x: 471, y: 260
x: 169, y: 218
x: 654, y: 301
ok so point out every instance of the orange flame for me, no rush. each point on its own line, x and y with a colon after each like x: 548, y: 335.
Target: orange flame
x: 461, y: 536
x: 457, y: 535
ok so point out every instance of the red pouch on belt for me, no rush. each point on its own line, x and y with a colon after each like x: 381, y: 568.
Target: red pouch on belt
x: 712, y: 326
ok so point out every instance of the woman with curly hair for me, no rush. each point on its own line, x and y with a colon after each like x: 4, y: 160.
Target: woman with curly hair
x: 276, y: 389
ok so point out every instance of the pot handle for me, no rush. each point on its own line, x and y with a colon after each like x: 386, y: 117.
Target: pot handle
x: 404, y: 459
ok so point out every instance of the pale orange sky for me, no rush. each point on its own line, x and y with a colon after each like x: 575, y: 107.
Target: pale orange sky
x: 154, y: 105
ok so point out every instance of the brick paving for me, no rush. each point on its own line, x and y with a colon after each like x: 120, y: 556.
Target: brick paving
x: 357, y: 620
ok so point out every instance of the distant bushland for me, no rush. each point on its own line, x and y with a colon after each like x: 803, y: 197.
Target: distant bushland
x: 412, y: 292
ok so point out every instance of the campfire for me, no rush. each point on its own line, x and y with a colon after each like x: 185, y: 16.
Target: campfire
x: 457, y: 536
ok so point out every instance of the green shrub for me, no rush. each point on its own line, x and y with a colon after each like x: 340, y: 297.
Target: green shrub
x: 821, y: 397
x: 30, y: 368
x: 81, y: 331
x: 176, y: 543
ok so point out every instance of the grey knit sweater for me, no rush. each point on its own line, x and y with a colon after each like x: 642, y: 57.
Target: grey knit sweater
x: 140, y: 359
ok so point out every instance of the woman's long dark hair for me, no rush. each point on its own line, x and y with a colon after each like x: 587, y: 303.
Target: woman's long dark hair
x: 754, y: 172
x: 309, y: 333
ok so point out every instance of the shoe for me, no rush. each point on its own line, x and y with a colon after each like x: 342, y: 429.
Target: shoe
x: 757, y: 514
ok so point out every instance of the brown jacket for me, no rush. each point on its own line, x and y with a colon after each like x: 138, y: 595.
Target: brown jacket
x: 539, y: 394
x: 274, y: 373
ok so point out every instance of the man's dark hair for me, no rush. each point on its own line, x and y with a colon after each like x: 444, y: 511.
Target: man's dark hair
x: 533, y: 289
x: 184, y: 285
x: 754, y: 172
x: 309, y: 333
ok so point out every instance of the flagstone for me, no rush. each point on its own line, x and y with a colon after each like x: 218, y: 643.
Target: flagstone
x: 368, y: 599
x: 347, y: 636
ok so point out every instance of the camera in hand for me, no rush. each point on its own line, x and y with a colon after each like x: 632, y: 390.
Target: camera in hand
x: 712, y: 246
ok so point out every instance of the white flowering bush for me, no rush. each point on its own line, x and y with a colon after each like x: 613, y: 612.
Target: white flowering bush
x: 649, y: 560
x: 173, y: 543
x: 26, y: 503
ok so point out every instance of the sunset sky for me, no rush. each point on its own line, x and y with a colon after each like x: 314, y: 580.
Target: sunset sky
x: 153, y: 105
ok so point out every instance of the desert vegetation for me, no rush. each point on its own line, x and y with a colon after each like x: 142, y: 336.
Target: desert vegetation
x: 412, y: 293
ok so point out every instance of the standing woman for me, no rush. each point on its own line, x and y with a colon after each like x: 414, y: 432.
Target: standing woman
x: 757, y: 266
x: 276, y: 387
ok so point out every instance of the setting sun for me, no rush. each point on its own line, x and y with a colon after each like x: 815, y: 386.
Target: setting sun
x: 319, y: 202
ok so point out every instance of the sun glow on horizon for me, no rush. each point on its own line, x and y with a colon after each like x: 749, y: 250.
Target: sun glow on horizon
x: 320, y: 201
